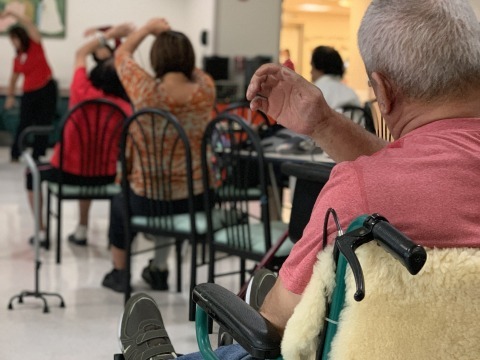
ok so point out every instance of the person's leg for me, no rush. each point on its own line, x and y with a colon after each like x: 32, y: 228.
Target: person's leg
x: 156, y: 272
x: 24, y: 122
x: 45, y: 108
x: 117, y: 278
x: 79, y: 236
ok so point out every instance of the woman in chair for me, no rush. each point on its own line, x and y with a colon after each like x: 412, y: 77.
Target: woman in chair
x: 101, y: 82
x: 186, y: 92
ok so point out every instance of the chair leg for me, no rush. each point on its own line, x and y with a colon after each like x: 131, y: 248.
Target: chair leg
x: 211, y: 264
x: 59, y: 229
x: 178, y: 248
x: 47, y: 230
x: 193, y: 279
x: 128, y: 268
x: 242, y: 271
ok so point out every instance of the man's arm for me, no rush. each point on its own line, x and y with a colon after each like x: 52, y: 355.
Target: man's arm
x: 10, y: 100
x: 300, y: 106
x: 279, y: 305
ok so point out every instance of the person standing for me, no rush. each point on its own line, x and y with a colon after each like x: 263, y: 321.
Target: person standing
x: 39, y: 98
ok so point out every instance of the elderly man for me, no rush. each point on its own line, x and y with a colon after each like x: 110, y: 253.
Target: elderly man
x: 423, y: 62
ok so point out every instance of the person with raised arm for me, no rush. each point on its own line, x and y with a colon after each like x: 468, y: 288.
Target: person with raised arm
x: 39, y: 97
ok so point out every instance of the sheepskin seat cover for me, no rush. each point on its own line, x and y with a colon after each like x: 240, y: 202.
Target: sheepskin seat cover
x: 433, y: 315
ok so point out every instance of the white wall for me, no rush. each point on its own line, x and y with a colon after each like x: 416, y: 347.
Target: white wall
x: 189, y: 16
x: 248, y: 28
x: 200, y: 15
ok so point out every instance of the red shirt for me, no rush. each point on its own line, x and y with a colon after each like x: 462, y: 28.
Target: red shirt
x: 425, y: 183
x: 288, y: 63
x: 34, y: 67
x: 82, y: 89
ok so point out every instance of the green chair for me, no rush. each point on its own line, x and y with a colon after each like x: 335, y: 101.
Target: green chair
x: 95, y: 127
x: 158, y: 133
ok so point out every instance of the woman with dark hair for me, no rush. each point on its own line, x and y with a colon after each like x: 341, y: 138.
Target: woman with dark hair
x: 102, y: 82
x: 39, y: 99
x: 327, y: 74
x: 189, y: 94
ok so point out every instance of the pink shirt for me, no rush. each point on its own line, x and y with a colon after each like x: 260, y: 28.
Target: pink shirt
x: 426, y: 184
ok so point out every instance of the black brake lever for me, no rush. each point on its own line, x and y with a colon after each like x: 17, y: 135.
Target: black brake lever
x: 375, y: 226
x: 347, y: 244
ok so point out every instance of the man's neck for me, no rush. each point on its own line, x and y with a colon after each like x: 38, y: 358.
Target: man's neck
x: 412, y: 115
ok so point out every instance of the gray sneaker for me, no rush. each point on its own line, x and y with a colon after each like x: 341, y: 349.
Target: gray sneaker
x: 262, y: 282
x: 142, y: 333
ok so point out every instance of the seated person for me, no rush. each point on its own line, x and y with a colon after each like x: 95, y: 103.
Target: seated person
x: 327, y: 74
x: 186, y: 92
x: 102, y: 82
x: 430, y: 170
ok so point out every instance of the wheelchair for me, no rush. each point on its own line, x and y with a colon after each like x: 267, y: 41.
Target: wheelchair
x: 377, y: 309
x: 257, y: 335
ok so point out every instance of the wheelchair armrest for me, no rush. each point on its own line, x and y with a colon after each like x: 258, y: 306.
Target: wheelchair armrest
x: 250, y: 329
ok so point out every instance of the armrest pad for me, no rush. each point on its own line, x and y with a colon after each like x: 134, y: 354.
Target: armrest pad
x: 250, y: 329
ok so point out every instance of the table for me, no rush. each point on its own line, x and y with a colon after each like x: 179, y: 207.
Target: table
x: 273, y: 157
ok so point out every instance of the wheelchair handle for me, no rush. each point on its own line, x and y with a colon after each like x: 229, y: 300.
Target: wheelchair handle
x: 376, y: 227
x: 410, y: 255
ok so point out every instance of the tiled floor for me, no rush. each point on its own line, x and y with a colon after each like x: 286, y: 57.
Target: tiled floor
x: 87, y: 328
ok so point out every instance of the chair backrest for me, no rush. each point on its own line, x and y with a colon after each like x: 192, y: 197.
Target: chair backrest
x: 434, y: 314
x: 156, y: 156
x: 381, y: 129
x: 90, y: 138
x: 231, y: 156
x: 358, y: 115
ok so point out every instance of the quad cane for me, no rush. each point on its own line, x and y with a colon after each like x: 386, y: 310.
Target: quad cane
x: 36, y: 293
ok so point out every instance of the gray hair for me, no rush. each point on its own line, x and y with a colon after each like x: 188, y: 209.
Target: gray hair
x: 430, y: 49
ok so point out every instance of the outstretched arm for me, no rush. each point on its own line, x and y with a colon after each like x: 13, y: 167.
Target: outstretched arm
x: 300, y: 106
x: 91, y: 45
x: 10, y: 100
x: 29, y: 26
x: 154, y: 26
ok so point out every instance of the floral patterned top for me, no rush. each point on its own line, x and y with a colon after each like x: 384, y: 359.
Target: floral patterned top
x: 145, y: 91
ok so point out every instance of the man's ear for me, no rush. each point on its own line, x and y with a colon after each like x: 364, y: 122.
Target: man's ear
x: 384, y: 92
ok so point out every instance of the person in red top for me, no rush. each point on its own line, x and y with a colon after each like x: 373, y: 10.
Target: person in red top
x: 39, y: 99
x: 104, y: 83
x: 285, y: 59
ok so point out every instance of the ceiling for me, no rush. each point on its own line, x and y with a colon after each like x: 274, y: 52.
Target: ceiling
x: 317, y: 6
